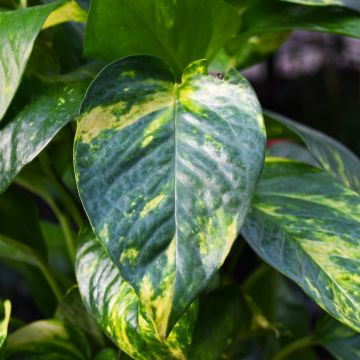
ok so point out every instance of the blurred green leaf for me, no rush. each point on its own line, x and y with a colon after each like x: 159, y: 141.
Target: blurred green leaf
x: 47, y: 339
x: 340, y: 341
x: 71, y: 311
x: 351, y: 4
x: 179, y: 32
x: 224, y: 319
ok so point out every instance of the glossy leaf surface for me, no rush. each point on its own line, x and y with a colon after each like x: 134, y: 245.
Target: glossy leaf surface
x: 178, y: 165
x: 5, y: 311
x: 340, y: 341
x: 307, y: 225
x: 333, y: 157
x: 116, y: 308
x: 179, y: 32
x: 18, y: 31
x: 48, y: 340
x: 26, y: 134
x: 351, y: 4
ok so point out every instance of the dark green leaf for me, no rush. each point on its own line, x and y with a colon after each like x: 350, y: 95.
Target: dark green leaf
x: 179, y: 32
x: 71, y: 311
x: 307, y: 225
x: 18, y: 31
x: 116, y: 308
x: 340, y: 341
x: 223, y: 318
x: 107, y: 354
x: 15, y: 205
x: 283, y: 309
x: 48, y: 340
x: 35, y: 125
x: 5, y: 310
x: 333, y: 157
x: 351, y: 4
x: 178, y: 164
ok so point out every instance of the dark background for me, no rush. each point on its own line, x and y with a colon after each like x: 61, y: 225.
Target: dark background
x: 315, y: 79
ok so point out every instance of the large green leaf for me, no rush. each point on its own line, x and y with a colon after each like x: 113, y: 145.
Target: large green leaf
x: 18, y: 31
x: 5, y: 310
x: 333, y: 157
x: 48, y: 340
x: 307, y: 225
x: 27, y: 133
x: 115, y: 306
x: 351, y: 4
x: 179, y: 164
x: 179, y: 32
x: 340, y: 341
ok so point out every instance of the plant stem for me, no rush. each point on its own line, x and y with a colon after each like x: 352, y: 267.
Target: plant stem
x: 295, y: 346
x: 68, y: 200
x: 50, y: 279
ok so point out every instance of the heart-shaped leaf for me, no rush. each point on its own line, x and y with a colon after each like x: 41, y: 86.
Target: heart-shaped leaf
x: 179, y: 32
x: 179, y: 164
x: 116, y: 308
x: 19, y: 29
x: 307, y: 225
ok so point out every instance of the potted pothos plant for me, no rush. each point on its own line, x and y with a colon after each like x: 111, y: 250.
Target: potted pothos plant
x: 156, y: 172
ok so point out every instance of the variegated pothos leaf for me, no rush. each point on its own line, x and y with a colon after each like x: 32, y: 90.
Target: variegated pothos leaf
x: 332, y: 156
x: 307, y: 225
x: 179, y: 164
x: 115, y: 306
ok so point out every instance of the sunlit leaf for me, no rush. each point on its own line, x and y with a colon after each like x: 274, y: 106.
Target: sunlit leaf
x: 5, y: 311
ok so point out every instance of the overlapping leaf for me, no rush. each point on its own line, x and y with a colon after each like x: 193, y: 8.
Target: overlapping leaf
x: 178, y: 164
x: 18, y: 31
x: 333, y: 157
x: 179, y: 32
x: 340, y: 341
x: 116, y: 308
x: 307, y: 225
x: 223, y: 319
x: 47, y: 339
x: 26, y: 134
x: 5, y: 310
x: 351, y: 4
